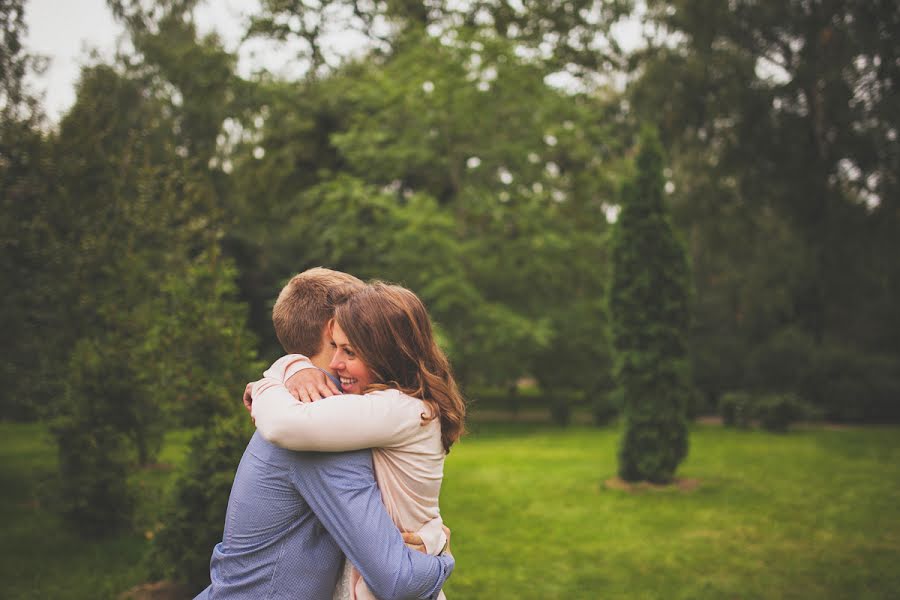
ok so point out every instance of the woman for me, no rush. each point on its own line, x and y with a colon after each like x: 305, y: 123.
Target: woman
x: 401, y: 401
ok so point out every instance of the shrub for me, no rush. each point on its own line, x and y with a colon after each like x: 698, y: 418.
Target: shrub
x: 196, y: 512
x: 604, y: 408
x: 736, y: 409
x: 776, y: 412
x: 94, y: 461
x: 649, y: 297
x: 561, y: 411
x: 849, y: 385
x: 697, y: 403
x: 504, y: 399
x: 782, y: 362
x: 717, y: 361
x: 98, y: 430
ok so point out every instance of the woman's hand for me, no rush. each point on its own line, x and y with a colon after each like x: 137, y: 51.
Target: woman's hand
x: 414, y: 541
x: 310, y: 385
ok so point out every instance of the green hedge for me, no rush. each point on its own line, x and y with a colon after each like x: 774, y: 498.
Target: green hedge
x: 605, y: 407
x: 603, y: 404
x: 774, y: 411
x: 735, y: 409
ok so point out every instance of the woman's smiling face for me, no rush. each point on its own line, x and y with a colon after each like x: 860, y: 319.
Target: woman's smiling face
x: 354, y: 373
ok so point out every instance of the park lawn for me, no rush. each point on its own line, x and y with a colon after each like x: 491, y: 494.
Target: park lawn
x: 811, y: 514
x: 39, y: 557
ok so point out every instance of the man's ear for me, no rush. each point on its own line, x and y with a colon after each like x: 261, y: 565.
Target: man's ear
x: 327, y: 340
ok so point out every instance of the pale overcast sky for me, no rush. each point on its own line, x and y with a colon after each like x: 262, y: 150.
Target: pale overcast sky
x: 62, y: 31
x: 66, y: 31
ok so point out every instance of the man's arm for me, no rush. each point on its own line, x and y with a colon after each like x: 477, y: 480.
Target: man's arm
x: 341, y: 490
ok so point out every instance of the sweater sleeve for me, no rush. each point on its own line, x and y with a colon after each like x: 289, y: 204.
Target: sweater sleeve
x: 282, y: 370
x: 386, y: 419
x: 433, y: 536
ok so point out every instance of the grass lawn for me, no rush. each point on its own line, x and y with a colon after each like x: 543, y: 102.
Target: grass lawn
x: 811, y: 514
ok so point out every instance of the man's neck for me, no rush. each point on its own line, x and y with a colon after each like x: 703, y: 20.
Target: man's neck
x: 321, y: 360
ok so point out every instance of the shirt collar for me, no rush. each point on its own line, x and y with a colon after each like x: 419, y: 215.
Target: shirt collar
x: 333, y: 378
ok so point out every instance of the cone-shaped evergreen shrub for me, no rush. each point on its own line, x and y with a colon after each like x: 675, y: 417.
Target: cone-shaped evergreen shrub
x: 195, y: 517
x: 99, y: 414
x: 648, y: 305
x: 94, y: 461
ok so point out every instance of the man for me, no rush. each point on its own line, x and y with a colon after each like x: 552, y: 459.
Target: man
x: 292, y: 514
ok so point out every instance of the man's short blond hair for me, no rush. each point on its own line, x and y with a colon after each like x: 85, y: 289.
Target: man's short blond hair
x: 306, y: 304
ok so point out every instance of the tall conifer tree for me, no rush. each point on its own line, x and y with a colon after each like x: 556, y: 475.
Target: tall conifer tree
x: 648, y: 304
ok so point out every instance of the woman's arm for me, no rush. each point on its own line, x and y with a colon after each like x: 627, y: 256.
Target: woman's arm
x: 337, y: 423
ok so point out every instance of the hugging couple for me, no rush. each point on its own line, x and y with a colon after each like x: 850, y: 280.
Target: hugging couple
x: 346, y: 464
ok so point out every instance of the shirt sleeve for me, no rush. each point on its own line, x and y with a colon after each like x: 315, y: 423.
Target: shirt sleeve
x: 338, y: 423
x: 341, y: 490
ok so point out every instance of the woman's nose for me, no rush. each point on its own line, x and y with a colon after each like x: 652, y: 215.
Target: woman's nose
x: 337, y: 363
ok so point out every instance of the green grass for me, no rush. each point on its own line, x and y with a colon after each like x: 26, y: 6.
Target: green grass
x: 39, y: 557
x: 811, y: 514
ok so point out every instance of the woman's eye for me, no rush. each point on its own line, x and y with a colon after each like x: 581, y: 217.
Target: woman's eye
x: 350, y: 353
x: 333, y: 345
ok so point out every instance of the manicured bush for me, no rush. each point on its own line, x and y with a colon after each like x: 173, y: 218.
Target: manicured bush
x: 489, y: 398
x: 776, y: 412
x: 782, y: 362
x: 561, y: 411
x: 604, y: 408
x: 773, y: 411
x: 736, y: 409
x: 847, y: 384
x: 852, y: 386
x: 649, y: 318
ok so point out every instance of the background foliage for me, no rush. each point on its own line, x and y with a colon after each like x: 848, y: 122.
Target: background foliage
x: 475, y: 152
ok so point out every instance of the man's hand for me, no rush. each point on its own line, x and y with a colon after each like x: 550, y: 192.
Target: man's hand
x: 447, y: 545
x: 310, y: 385
x: 414, y: 541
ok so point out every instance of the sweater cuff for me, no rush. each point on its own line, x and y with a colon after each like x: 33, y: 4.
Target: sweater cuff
x: 287, y: 366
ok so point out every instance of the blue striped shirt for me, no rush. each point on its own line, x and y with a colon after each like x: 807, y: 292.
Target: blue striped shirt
x: 290, y: 517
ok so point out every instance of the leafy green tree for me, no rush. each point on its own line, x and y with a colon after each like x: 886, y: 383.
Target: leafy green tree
x: 779, y: 125
x: 27, y: 317
x: 137, y: 221
x: 649, y: 314
x: 572, y: 36
x: 396, y: 166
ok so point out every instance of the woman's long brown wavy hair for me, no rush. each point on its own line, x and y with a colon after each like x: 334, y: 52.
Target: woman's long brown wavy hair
x: 389, y: 329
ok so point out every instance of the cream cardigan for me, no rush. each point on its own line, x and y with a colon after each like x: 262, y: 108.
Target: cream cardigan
x: 407, y: 451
